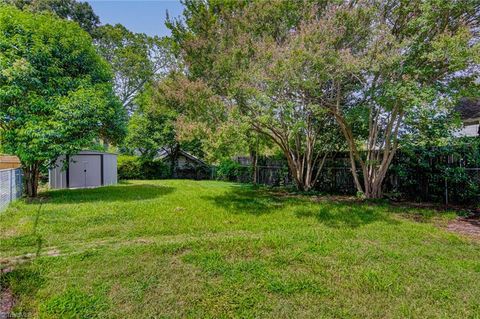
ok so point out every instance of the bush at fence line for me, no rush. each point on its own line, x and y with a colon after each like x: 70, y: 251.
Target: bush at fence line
x: 155, y: 169
x: 134, y: 167
x: 129, y: 167
x: 230, y: 170
x: 427, y: 174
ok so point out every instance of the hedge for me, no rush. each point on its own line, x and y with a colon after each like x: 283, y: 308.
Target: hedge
x: 134, y: 167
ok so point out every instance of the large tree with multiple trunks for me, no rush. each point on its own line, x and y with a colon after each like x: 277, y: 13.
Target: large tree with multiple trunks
x: 291, y: 67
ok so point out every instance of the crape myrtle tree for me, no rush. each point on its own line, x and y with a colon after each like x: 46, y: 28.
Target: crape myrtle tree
x: 56, y: 92
x: 230, y: 49
x: 368, y: 64
x: 387, y: 60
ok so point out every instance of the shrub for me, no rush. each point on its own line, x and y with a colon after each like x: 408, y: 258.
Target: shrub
x: 230, y: 170
x: 154, y: 169
x: 134, y: 167
x: 426, y: 174
x: 129, y: 167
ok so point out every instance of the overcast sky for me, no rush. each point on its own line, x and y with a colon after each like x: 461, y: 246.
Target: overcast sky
x: 147, y: 16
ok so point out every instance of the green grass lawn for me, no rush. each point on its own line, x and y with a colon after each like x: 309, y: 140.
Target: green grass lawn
x: 169, y: 249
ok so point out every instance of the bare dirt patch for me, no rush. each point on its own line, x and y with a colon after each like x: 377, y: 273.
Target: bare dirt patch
x: 469, y: 226
x: 7, y: 300
x: 6, y: 303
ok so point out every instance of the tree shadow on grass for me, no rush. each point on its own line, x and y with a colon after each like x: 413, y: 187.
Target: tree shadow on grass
x: 241, y: 199
x: 350, y: 215
x: 123, y: 193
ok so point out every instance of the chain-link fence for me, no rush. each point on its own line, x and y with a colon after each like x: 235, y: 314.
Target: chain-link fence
x: 10, y: 186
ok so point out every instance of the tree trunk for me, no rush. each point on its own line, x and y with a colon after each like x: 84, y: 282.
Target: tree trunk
x: 379, y: 153
x: 31, y: 176
x: 254, y: 158
x: 303, y: 170
x: 174, y: 160
x: 301, y: 157
x: 105, y: 145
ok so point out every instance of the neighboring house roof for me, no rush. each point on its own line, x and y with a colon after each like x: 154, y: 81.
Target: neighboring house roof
x: 9, y: 161
x: 469, y: 109
x: 164, y: 153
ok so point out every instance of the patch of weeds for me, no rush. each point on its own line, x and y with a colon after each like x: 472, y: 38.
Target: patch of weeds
x: 211, y: 262
x: 20, y: 241
x: 476, y: 268
x: 22, y: 281
x: 174, y: 249
x: 443, y: 294
x: 87, y: 255
x: 75, y: 303
x: 293, y: 286
x: 374, y: 281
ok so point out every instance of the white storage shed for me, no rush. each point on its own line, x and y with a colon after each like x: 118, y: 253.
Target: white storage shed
x: 85, y: 169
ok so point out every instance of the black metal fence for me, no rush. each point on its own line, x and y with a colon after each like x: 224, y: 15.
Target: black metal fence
x: 444, y: 180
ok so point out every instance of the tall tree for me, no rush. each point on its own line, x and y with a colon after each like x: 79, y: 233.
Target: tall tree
x: 367, y: 63
x: 150, y: 128
x: 388, y: 60
x: 56, y: 92
x: 80, y: 12
x: 136, y: 60
x: 231, y: 48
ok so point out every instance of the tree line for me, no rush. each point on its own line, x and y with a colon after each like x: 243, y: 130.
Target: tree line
x: 304, y: 78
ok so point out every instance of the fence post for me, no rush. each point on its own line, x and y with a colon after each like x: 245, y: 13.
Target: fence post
x: 11, y: 184
x: 446, y: 191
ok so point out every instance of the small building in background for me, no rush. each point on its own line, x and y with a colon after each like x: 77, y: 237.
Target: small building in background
x: 469, y: 110
x: 9, y: 161
x: 184, y: 159
x: 86, y: 169
x: 186, y: 165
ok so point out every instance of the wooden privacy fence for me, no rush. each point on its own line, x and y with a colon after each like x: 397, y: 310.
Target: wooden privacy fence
x: 10, y: 186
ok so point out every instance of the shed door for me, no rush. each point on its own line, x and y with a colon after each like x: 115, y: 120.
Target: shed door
x: 85, y: 171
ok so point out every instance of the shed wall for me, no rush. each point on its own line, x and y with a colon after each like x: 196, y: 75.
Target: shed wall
x: 109, y: 169
x: 58, y: 175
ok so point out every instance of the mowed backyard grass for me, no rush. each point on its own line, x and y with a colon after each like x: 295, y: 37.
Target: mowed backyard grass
x: 205, y: 249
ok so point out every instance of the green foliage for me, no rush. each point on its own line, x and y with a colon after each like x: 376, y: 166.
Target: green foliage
x: 209, y: 249
x: 230, y: 170
x: 80, y: 12
x: 55, y: 91
x: 134, y: 167
x: 250, y: 76
x: 147, y: 134
x: 136, y: 60
x: 369, y: 64
x: 427, y: 172
x: 128, y: 167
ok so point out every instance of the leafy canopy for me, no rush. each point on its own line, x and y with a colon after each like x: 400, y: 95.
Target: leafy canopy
x: 136, y: 60
x: 56, y: 92
x: 80, y: 12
